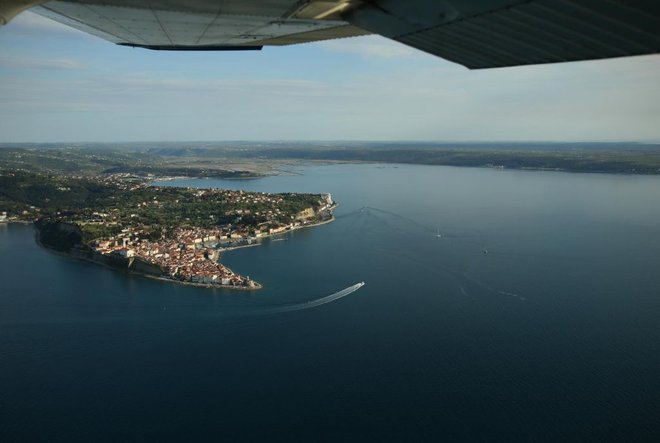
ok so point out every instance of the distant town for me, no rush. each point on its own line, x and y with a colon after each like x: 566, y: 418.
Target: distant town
x: 190, y: 254
x: 179, y: 234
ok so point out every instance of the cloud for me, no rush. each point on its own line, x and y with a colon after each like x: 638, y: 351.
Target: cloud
x: 437, y: 103
x: 383, y: 91
x: 30, y: 23
x: 370, y: 46
x: 39, y: 63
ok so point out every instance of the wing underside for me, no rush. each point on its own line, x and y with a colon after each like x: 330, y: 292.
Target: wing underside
x: 181, y: 25
x: 487, y: 34
x: 474, y: 33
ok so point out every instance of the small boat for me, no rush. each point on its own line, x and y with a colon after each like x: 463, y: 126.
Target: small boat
x: 485, y: 251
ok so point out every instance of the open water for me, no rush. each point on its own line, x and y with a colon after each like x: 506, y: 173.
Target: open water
x: 552, y: 335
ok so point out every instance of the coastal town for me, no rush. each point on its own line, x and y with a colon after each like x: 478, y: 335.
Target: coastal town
x: 166, y: 232
x: 191, y: 254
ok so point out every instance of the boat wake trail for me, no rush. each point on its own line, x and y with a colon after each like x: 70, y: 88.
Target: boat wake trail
x: 512, y: 294
x: 409, y: 221
x: 313, y: 303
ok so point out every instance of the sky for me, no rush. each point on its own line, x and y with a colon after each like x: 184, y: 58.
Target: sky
x: 58, y: 84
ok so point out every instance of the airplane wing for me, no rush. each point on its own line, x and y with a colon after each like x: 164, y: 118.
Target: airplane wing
x: 196, y: 24
x: 473, y: 33
x: 496, y: 33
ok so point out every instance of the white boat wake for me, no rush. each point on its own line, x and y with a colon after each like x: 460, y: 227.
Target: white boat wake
x: 314, y: 303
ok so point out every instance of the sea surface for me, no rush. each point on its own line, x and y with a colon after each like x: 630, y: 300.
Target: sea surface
x: 498, y: 306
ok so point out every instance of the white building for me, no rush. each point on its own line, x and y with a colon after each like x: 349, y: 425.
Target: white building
x: 125, y: 252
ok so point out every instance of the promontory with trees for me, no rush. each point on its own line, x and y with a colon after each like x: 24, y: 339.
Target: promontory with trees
x: 161, y: 231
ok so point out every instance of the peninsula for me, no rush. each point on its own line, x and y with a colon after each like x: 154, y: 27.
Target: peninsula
x: 172, y: 233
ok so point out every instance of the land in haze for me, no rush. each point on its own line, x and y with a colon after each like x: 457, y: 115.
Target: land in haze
x: 244, y: 159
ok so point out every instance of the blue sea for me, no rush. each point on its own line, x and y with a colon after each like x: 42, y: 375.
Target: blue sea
x: 498, y: 306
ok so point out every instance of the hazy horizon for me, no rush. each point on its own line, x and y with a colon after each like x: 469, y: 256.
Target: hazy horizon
x: 333, y: 141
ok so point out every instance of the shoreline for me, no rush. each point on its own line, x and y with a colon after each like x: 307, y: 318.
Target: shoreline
x: 268, y: 236
x: 18, y: 222
x: 256, y: 285
x: 127, y: 270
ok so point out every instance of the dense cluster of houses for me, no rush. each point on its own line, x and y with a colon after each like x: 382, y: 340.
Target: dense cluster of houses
x: 191, y: 254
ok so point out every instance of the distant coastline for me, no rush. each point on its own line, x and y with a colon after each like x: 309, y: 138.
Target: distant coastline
x: 239, y: 160
x: 638, y: 161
